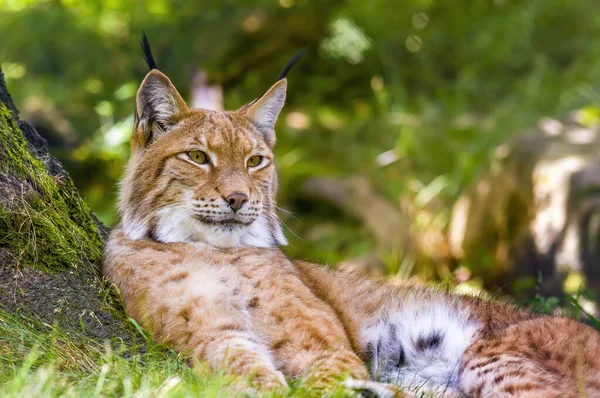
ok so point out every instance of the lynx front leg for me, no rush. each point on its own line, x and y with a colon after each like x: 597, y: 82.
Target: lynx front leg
x: 201, y: 312
x: 239, y: 353
x: 327, y: 370
x: 328, y: 367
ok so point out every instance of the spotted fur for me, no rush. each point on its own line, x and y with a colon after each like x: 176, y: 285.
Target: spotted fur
x: 212, y: 282
x: 448, y: 344
x: 174, y: 258
x: 168, y: 197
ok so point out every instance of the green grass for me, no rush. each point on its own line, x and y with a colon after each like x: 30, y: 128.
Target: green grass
x: 41, y: 361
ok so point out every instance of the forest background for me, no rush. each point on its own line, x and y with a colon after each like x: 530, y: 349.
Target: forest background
x: 398, y: 114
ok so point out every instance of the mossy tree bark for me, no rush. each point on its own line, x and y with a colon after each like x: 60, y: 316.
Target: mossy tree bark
x: 50, y: 241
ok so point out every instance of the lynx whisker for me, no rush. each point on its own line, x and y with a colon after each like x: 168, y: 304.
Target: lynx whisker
x: 287, y: 212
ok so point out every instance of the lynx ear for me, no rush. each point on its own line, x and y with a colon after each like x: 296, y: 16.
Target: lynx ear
x: 158, y: 108
x: 264, y: 111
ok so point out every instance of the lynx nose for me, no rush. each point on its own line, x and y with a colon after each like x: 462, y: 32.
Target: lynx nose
x: 236, y: 200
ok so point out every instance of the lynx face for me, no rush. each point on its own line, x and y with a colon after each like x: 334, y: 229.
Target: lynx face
x: 201, y: 175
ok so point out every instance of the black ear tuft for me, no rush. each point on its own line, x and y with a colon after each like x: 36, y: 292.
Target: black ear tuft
x: 147, y: 52
x: 290, y: 64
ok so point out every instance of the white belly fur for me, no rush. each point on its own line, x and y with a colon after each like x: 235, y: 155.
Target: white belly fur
x: 419, y: 343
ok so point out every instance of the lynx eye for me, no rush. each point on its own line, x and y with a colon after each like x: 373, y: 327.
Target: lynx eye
x: 198, y: 157
x: 254, y: 161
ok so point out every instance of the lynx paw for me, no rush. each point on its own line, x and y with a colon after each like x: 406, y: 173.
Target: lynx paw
x: 259, y: 382
x: 367, y: 388
x: 269, y: 380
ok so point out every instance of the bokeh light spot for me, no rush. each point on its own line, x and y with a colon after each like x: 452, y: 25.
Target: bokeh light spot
x: 298, y: 120
x: 413, y: 43
x: 287, y: 3
x: 420, y: 20
x: 377, y: 83
x: 13, y: 70
x: 93, y: 85
x: 347, y: 40
x: 253, y: 22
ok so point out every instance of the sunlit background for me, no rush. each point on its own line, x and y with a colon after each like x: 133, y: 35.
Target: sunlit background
x: 403, y: 123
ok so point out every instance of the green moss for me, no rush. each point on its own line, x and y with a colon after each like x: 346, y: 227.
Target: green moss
x: 44, y: 222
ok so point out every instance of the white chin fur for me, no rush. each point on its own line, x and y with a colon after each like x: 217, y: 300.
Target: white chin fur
x: 177, y: 225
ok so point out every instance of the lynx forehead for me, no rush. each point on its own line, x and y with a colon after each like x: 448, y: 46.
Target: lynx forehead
x: 201, y: 175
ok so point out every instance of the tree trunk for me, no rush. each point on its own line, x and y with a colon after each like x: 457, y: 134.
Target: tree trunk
x: 50, y: 241
x: 536, y: 211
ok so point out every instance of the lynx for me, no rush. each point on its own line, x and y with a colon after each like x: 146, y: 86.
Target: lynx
x: 197, y: 260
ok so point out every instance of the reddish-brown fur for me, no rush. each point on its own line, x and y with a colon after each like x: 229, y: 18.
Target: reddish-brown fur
x: 251, y: 295
x: 212, y: 282
x: 514, y: 352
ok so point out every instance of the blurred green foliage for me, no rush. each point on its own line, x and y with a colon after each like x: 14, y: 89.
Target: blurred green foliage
x: 414, y: 94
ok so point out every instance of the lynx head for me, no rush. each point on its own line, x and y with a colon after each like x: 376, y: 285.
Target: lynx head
x: 201, y: 175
